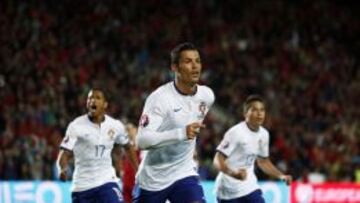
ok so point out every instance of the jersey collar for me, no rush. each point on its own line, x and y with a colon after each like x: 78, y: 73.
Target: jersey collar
x: 90, y: 120
x: 182, y: 93
x: 250, y: 129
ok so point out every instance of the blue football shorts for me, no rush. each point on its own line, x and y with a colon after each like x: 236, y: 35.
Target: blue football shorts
x: 186, y: 190
x: 109, y: 192
x: 254, y: 197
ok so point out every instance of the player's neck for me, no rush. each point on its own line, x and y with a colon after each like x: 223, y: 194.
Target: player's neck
x: 253, y: 128
x: 96, y: 119
x: 185, y: 88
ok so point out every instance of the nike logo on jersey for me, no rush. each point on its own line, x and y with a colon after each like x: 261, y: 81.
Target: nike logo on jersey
x: 177, y: 110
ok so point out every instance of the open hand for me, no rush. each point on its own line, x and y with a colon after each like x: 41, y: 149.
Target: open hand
x: 62, y: 175
x: 286, y: 178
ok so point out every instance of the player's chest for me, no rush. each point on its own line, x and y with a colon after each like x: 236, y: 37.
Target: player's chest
x: 250, y: 145
x: 96, y: 135
x: 186, y: 110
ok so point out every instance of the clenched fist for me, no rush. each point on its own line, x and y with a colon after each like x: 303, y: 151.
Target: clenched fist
x: 193, y: 129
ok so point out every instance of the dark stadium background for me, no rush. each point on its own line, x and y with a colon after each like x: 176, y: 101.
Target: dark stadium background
x: 302, y: 56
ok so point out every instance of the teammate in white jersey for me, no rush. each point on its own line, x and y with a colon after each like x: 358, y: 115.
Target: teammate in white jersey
x: 171, y: 120
x: 242, y: 145
x: 90, y: 139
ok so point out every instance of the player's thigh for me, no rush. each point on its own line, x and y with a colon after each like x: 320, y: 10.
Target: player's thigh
x: 187, y: 190
x: 255, y: 197
x: 83, y: 197
x: 110, y: 192
x: 144, y: 196
x: 228, y: 201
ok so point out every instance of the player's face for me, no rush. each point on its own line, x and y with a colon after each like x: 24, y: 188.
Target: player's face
x: 188, y: 69
x: 96, y: 103
x: 255, y: 115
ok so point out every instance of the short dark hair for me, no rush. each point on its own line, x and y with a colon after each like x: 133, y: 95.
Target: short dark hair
x: 175, y: 53
x: 101, y: 88
x: 250, y: 99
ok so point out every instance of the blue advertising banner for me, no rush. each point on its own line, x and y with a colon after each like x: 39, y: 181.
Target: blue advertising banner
x: 34, y: 192
x: 59, y: 192
x: 273, y: 192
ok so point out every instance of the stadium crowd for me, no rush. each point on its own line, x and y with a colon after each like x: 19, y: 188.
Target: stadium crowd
x: 302, y: 57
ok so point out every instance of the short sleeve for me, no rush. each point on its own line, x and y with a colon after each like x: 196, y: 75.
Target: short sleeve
x: 264, y: 146
x: 211, y: 96
x: 70, y: 138
x: 228, y: 144
x: 122, y: 137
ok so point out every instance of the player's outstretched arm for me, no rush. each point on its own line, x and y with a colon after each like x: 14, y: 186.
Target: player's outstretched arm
x: 220, y: 164
x: 148, y: 138
x: 63, y: 163
x: 153, y: 116
x: 268, y: 167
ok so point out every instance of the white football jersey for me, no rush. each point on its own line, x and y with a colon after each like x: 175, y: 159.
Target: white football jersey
x: 92, y: 145
x: 241, y: 146
x: 166, y: 113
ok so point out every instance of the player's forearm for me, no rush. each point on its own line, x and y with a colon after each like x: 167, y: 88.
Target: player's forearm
x: 151, y: 139
x: 63, y: 161
x: 117, y: 161
x: 225, y: 169
x: 220, y: 164
x: 268, y: 167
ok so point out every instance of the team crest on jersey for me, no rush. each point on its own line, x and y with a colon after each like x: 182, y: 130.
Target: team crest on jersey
x: 144, y: 120
x: 111, y: 133
x: 202, y: 109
